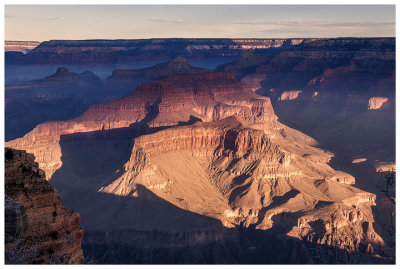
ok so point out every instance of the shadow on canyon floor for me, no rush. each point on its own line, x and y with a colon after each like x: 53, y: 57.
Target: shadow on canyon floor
x: 203, y: 240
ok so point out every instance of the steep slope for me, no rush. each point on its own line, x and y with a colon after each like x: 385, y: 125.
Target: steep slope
x: 243, y: 177
x: 39, y: 229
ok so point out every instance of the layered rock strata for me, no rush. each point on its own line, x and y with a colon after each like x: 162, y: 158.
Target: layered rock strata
x: 242, y: 176
x: 39, y: 229
x: 165, y: 102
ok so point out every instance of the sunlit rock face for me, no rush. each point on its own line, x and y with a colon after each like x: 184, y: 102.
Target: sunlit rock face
x: 289, y: 95
x: 177, y: 98
x: 36, y: 217
x: 377, y: 103
x: 236, y: 173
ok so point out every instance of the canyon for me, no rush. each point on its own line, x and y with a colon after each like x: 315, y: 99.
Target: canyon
x: 175, y: 159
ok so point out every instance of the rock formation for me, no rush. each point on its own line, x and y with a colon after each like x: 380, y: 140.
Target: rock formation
x: 61, y: 96
x: 39, y: 229
x: 340, y: 81
x: 289, y: 95
x: 376, y: 103
x: 169, y: 101
x: 178, y: 65
x: 243, y: 177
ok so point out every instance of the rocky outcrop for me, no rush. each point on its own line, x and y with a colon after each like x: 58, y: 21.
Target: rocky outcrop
x: 289, y: 95
x: 39, y: 229
x: 377, y: 103
x: 15, y: 217
x: 244, y: 177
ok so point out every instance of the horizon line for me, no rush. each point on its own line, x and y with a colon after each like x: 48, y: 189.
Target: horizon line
x: 246, y: 38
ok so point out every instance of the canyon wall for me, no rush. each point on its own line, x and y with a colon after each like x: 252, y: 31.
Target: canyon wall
x: 115, y: 51
x: 39, y: 229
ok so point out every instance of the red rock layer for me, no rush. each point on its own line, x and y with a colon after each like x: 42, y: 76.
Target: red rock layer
x: 206, y: 96
x: 52, y: 232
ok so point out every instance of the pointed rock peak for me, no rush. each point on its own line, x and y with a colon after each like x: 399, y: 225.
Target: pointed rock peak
x: 179, y: 64
x: 179, y: 59
x: 62, y: 71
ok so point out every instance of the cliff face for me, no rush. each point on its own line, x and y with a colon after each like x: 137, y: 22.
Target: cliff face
x: 249, y: 178
x: 325, y: 65
x: 165, y: 102
x: 39, y: 229
x: 347, y: 103
x: 117, y: 51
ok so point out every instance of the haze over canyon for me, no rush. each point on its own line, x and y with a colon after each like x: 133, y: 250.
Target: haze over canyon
x: 171, y: 151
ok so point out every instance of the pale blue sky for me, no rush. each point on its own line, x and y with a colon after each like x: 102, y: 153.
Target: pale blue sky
x: 41, y: 22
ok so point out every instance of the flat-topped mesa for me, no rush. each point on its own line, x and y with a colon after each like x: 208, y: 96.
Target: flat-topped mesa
x: 43, y: 222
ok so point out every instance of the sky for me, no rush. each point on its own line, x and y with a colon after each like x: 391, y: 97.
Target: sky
x: 49, y: 22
